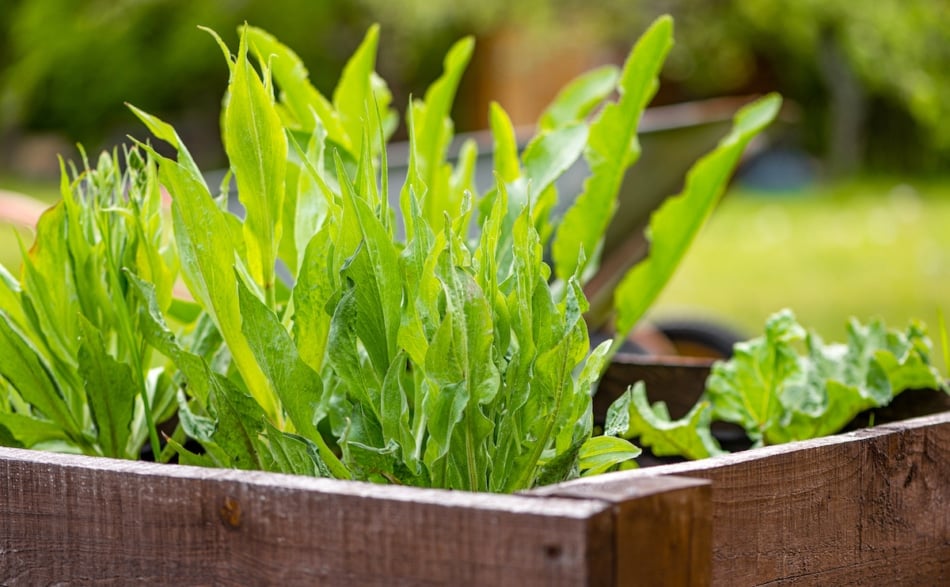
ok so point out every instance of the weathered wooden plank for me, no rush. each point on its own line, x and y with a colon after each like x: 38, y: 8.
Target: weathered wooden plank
x: 867, y: 507
x: 663, y: 527
x: 65, y: 518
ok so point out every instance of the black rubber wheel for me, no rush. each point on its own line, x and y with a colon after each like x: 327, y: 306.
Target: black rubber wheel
x: 699, y: 338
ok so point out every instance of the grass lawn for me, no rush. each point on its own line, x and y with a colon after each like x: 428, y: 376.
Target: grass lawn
x: 870, y: 248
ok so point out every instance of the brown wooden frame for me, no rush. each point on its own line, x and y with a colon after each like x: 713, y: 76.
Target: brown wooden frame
x: 870, y: 507
x: 67, y: 519
x: 866, y: 507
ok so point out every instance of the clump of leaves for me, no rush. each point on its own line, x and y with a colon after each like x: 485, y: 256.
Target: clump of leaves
x: 406, y: 350
x: 787, y: 385
x: 76, y: 374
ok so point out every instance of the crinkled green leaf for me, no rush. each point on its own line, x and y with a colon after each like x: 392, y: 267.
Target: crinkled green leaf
x: 373, y: 269
x: 157, y: 333
x: 560, y: 466
x: 460, y: 365
x: 674, y: 226
x: 394, y: 409
x: 381, y: 464
x: 631, y: 416
x: 746, y: 389
x: 779, y: 395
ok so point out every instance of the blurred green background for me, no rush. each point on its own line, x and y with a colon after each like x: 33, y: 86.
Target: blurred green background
x: 851, y: 221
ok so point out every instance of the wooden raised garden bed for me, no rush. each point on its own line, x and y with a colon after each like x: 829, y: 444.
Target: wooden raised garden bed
x: 869, y: 507
x: 67, y: 519
x: 865, y: 507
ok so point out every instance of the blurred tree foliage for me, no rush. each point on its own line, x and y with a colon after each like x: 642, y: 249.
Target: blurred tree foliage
x: 871, y: 77
x: 69, y: 65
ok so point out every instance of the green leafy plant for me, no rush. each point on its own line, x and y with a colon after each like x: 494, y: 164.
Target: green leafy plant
x: 786, y: 385
x: 77, y: 375
x: 406, y: 347
x: 430, y: 358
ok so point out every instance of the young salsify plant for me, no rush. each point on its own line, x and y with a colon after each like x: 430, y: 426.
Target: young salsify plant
x: 405, y: 350
x: 75, y: 373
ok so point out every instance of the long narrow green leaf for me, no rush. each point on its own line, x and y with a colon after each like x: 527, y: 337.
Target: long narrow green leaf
x: 505, y: 144
x: 29, y: 431
x: 433, y: 131
x: 27, y: 371
x: 256, y: 145
x: 207, y: 250
x: 394, y: 410
x: 462, y: 359
x: 239, y: 424
x: 10, y: 293
x: 304, y: 100
x: 49, y: 288
x: 612, y: 149
x: 354, y: 92
x: 313, y: 204
x: 551, y: 153
x: 298, y: 386
x: 317, y: 282
x: 157, y: 333
x: 111, y: 388
x: 293, y: 454
x: 373, y: 268
x: 674, y: 226
x: 167, y: 133
x: 580, y: 97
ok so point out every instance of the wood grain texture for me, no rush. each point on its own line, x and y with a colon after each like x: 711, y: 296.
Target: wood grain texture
x: 870, y: 507
x: 75, y: 520
x: 663, y: 529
